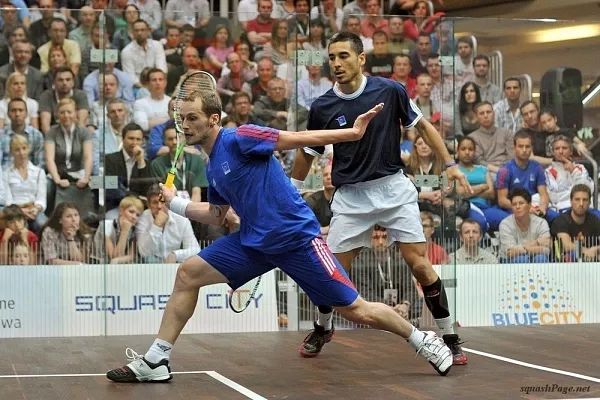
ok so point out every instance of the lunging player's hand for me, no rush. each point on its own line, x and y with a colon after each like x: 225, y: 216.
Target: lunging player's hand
x: 455, y: 174
x: 361, y: 123
x: 168, y: 193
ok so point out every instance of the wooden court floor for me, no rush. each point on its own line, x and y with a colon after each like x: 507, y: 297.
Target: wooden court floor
x: 359, y: 364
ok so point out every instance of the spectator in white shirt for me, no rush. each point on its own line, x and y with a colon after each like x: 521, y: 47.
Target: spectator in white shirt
x: 154, y: 109
x: 353, y: 25
x: 142, y: 52
x: 164, y: 236
x: 313, y: 87
x: 193, y: 12
x: 150, y: 11
x: 108, y: 85
x: 25, y: 184
x: 248, y: 10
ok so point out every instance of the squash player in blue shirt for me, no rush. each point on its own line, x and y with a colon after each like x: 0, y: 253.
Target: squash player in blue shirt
x: 278, y: 229
x: 371, y: 188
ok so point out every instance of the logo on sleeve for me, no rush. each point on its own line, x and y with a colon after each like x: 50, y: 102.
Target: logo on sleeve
x: 341, y: 120
x: 225, y: 167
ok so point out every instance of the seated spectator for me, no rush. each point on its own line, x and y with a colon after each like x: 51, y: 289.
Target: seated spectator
x: 241, y: 113
x: 154, y: 109
x: 422, y: 161
x: 298, y: 22
x: 142, y: 53
x: 379, y: 62
x: 276, y: 49
x: 20, y: 253
x: 423, y: 97
x: 15, y: 220
x: 316, y: 40
x: 549, y: 124
x: 471, y: 252
x: 524, y: 237
x: 353, y: 25
x: 190, y: 61
x: 69, y: 159
x: 421, y: 21
x: 156, y: 143
x: 244, y: 50
x: 173, y: 47
x: 109, y: 22
x: 564, y: 174
x: 442, y: 90
x: 489, y: 92
x: 397, y: 43
x: 14, y: 12
x: 319, y: 201
x: 419, y: 57
x: 131, y: 168
x: 258, y: 86
x: 64, y: 84
x: 435, y: 253
x: 273, y: 108
x: 109, y: 134
x: 480, y: 180
x: 315, y: 86
x: 190, y: 179
x: 381, y: 275
x: 164, y: 236
x: 531, y: 125
x: 181, y: 12
x: 25, y: 184
x: 57, y: 59
x: 119, y: 234
x: 21, y: 59
x: 259, y: 29
x: 493, y: 144
x: 329, y: 16
x: 373, y: 21
x: 16, y: 88
x: 402, y: 74
x: 355, y: 8
x: 39, y: 30
x: 463, y: 62
x: 233, y: 81
x: 467, y: 121
x: 17, y: 114
x: 82, y: 35
x: 151, y: 12
x: 507, y: 112
x: 66, y: 240
x: 98, y: 117
x: 123, y: 36
x: 216, y: 54
x: 58, y: 33
x: 87, y: 65
x: 578, y: 229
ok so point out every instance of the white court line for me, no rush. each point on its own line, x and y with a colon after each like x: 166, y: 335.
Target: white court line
x: 533, y: 366
x: 235, y: 386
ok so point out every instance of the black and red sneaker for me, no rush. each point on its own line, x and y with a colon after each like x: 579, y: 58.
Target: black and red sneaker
x: 314, y: 342
x: 459, y: 357
x: 141, y: 370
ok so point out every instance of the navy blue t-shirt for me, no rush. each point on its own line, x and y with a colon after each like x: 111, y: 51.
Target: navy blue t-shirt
x: 244, y: 173
x: 377, y: 154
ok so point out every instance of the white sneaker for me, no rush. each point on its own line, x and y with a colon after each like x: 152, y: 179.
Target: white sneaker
x: 140, y: 370
x: 436, y: 352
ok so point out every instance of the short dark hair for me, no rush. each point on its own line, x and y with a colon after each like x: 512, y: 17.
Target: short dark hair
x: 62, y: 70
x: 137, y: 21
x: 13, y: 213
x: 483, y: 103
x: 466, y: 40
x: 354, y: 40
x: 154, y: 71
x: 60, y: 20
x: 528, y: 102
x: 482, y: 57
x: 170, y: 126
x: 512, y: 79
x: 576, y: 189
x: 16, y: 100
x: 239, y: 95
x: 469, y: 221
x: 131, y: 127
x: 522, y: 134
x: 153, y: 190
x: 380, y: 33
x: 519, y: 192
x: 465, y: 138
x: 187, y: 28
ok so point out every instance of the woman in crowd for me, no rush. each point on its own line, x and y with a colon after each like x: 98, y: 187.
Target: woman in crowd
x: 421, y: 21
x: 480, y: 180
x: 422, y: 161
x: 66, y: 240
x: 466, y: 122
x: 119, y: 234
x: 69, y: 157
x: 25, y: 184
x: 244, y: 50
x: 276, y: 49
x: 549, y: 123
x: 57, y: 58
x: 124, y: 35
x: 216, y: 54
x: 16, y: 88
x: 316, y: 38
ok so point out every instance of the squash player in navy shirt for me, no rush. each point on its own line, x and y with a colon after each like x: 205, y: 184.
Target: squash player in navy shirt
x: 278, y: 229
x: 371, y: 188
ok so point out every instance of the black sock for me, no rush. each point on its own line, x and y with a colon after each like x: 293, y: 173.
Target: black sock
x: 436, y: 300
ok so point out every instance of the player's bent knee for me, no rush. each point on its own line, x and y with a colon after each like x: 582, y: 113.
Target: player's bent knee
x: 195, y: 273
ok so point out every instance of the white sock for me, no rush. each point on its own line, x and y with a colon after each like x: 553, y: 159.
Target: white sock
x: 160, y: 350
x: 416, y: 337
x: 325, y: 320
x: 445, y: 326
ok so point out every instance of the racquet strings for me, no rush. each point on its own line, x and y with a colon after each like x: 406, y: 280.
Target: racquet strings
x: 243, y: 296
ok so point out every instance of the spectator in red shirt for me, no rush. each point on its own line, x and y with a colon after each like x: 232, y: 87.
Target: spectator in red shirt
x: 421, y: 21
x: 259, y: 29
x: 374, y: 21
x: 435, y: 253
x: 401, y: 74
x: 15, y: 229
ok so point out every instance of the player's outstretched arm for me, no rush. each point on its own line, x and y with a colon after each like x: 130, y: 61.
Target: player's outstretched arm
x: 301, y: 167
x: 435, y: 141
x: 204, y: 213
x: 295, y: 140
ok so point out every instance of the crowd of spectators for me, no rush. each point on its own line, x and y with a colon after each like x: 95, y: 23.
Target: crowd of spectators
x: 66, y: 117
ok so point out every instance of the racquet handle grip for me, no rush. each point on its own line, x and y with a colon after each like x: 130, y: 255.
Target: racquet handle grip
x: 168, y: 183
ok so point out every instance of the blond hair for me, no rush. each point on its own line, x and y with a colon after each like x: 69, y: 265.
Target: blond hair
x: 17, y: 141
x: 131, y: 201
x: 66, y: 102
x: 9, y: 81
